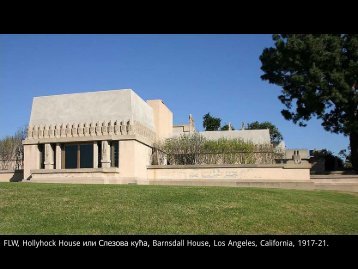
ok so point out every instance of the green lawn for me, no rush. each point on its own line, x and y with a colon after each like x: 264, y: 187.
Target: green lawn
x: 29, y: 208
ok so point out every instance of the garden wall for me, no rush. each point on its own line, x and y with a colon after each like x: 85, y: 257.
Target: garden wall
x: 227, y: 174
x: 11, y: 175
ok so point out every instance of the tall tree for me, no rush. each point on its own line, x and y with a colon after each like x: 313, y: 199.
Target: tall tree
x: 211, y: 123
x: 12, y: 150
x: 319, y: 77
x: 275, y: 135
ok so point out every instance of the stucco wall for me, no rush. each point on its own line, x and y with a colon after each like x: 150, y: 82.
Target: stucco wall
x: 32, y: 159
x: 80, y: 176
x: 134, y: 157
x: 91, y: 107
x: 11, y: 175
x: 228, y: 173
x: 254, y: 136
x: 163, y: 119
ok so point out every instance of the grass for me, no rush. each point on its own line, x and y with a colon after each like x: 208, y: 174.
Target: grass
x: 30, y: 208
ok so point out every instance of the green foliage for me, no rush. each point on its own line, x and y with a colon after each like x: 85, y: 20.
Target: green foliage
x: 184, y: 149
x: 275, y: 135
x: 194, y: 149
x: 346, y: 157
x: 319, y: 77
x: 211, y: 123
x: 226, y: 127
x: 331, y: 162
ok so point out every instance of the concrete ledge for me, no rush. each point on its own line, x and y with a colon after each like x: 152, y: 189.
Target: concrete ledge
x: 85, y: 180
x: 208, y: 166
x: 304, y: 185
x: 79, y: 170
x: 137, y: 137
x: 334, y: 177
x: 350, y: 187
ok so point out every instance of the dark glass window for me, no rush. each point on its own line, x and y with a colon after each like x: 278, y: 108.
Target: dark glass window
x: 42, y: 155
x: 53, y: 146
x: 114, y: 153
x: 86, y: 156
x: 78, y: 156
x: 99, y: 154
x: 71, y: 156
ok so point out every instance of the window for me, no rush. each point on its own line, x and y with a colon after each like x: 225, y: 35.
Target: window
x: 78, y: 156
x: 41, y: 148
x: 86, y: 155
x: 71, y: 152
x: 99, y: 154
x: 114, y: 153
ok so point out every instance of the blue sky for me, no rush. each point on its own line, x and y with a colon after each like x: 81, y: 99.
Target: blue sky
x: 193, y: 74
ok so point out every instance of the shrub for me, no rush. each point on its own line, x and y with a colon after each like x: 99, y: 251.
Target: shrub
x: 195, y: 149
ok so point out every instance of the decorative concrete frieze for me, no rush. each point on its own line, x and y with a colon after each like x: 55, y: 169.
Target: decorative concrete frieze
x: 63, y: 130
x: 86, y: 129
x: 74, y: 130
x: 98, y: 129
x: 51, y: 131
x: 68, y: 130
x: 30, y: 130
x: 92, y: 129
x: 122, y: 128
x: 129, y: 127
x: 103, y: 128
x: 46, y: 131
x: 117, y: 128
x: 41, y: 131
x: 58, y: 130
x: 80, y: 130
x: 35, y: 133
x: 110, y: 128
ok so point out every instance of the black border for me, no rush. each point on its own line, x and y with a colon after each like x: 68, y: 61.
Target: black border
x: 157, y: 242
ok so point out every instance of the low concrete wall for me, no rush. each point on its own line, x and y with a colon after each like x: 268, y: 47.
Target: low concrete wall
x: 11, y: 175
x: 80, y: 176
x: 227, y: 175
x: 336, y: 181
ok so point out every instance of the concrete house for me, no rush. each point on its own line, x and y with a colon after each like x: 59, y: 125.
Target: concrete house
x: 103, y: 136
x: 107, y: 137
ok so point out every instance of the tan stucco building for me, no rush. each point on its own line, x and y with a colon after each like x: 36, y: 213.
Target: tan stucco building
x: 106, y: 136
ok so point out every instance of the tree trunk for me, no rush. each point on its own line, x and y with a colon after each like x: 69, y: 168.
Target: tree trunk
x: 353, y: 139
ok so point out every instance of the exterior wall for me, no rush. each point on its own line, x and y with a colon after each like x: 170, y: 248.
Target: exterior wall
x: 79, y: 176
x: 227, y: 175
x: 181, y: 129
x: 133, y: 160
x: 142, y: 160
x: 163, y: 118
x: 11, y: 175
x: 260, y: 136
x: 31, y: 159
x: 114, y: 105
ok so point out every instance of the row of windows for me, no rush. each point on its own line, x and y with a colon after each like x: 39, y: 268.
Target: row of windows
x: 80, y: 155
